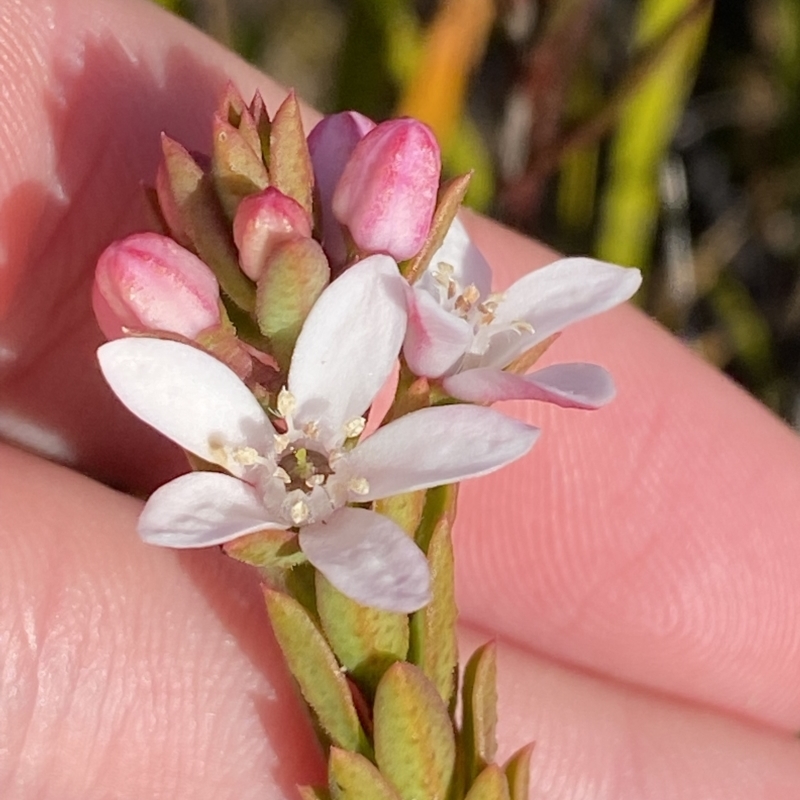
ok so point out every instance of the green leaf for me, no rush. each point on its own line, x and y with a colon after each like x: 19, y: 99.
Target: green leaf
x: 404, y: 509
x: 294, y: 277
x: 414, y: 740
x: 353, y: 777
x: 440, y: 505
x: 479, y: 696
x: 433, y: 645
x: 237, y: 169
x: 316, y: 671
x: 204, y: 222
x: 518, y: 773
x: 290, y: 168
x: 367, y: 641
x: 491, y: 784
x: 267, y: 549
x: 674, y: 31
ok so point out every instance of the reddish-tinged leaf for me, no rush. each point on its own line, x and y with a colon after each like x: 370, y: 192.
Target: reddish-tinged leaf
x: 293, y: 278
x: 518, y: 773
x: 366, y: 640
x: 290, y: 167
x: 414, y: 740
x: 236, y: 167
x: 204, y: 222
x: 491, y: 784
x: 353, y: 777
x: 314, y: 667
x: 450, y: 198
x: 479, y: 697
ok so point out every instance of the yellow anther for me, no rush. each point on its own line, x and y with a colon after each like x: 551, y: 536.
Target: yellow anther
x: 246, y: 456
x: 522, y: 327
x: 471, y: 294
x: 299, y: 512
x: 358, y: 486
x: 282, y: 475
x: 355, y: 427
x: 281, y: 441
x: 311, y: 429
x: 287, y: 404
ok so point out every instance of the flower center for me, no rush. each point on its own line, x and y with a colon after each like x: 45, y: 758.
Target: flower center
x: 304, y: 476
x: 480, y: 314
x: 303, y: 469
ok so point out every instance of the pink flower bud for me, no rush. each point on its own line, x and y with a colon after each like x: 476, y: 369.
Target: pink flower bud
x: 262, y: 222
x: 149, y: 282
x: 387, y: 193
x: 331, y: 144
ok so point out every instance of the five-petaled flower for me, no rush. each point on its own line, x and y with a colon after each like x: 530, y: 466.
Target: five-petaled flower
x: 466, y: 336
x: 311, y: 470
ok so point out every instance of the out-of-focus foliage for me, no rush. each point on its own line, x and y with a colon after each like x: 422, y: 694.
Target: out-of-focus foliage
x: 656, y: 132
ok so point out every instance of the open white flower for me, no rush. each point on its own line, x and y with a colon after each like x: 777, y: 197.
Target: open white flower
x: 465, y: 335
x: 304, y: 477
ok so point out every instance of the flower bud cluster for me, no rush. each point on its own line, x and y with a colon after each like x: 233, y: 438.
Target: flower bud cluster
x: 293, y: 279
x: 306, y: 265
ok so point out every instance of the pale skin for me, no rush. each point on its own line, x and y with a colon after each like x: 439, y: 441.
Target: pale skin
x: 640, y: 569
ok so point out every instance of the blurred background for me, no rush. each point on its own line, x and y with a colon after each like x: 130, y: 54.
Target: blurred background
x: 663, y: 134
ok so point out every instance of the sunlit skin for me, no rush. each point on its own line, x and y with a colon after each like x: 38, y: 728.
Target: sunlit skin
x: 640, y: 569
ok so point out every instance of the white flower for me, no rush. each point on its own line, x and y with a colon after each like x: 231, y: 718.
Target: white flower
x: 304, y: 473
x: 465, y: 335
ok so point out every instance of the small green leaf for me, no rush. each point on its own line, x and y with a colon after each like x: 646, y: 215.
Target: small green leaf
x: 267, y: 549
x: 404, y: 509
x: 479, y: 696
x: 205, y: 223
x: 491, y: 784
x: 414, y: 740
x: 316, y: 671
x: 440, y: 505
x: 294, y: 277
x: 451, y: 195
x: 518, y: 773
x: 353, y: 777
x: 367, y: 641
x: 433, y: 646
x: 237, y: 169
x: 290, y: 168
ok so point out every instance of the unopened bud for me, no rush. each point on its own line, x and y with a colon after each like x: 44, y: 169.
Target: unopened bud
x: 149, y: 282
x: 387, y: 193
x: 264, y: 221
x: 331, y: 144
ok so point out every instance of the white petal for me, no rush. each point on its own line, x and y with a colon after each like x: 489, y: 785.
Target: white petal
x: 435, y: 339
x: 469, y: 265
x: 185, y: 394
x: 349, y: 343
x: 370, y: 559
x: 567, y: 385
x: 202, y: 509
x: 553, y: 297
x: 438, y: 445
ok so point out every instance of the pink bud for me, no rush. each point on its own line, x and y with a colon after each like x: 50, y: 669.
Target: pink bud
x: 262, y: 222
x: 331, y: 144
x: 387, y: 193
x: 149, y: 282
